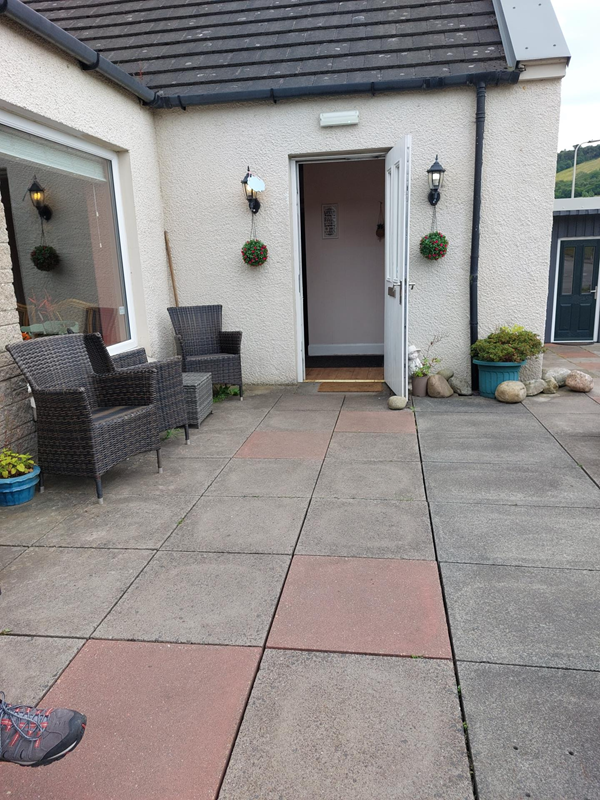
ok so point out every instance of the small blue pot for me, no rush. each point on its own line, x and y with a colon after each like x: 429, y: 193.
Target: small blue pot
x: 493, y: 373
x: 14, y: 491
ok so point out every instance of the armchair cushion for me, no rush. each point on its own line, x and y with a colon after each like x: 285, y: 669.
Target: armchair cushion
x: 126, y: 388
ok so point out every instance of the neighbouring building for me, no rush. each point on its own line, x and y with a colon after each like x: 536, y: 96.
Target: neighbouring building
x: 140, y: 118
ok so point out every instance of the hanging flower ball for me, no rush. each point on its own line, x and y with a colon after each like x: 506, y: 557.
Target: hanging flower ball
x: 434, y: 246
x: 255, y: 252
x: 45, y: 257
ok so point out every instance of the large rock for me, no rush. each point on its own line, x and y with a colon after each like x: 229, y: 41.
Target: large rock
x: 551, y: 386
x: 511, y: 392
x: 578, y: 381
x: 558, y: 373
x: 438, y: 386
x: 445, y: 373
x: 460, y: 387
x: 397, y: 402
x: 534, y: 387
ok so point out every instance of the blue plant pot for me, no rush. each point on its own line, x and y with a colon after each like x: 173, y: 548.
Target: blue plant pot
x: 493, y: 373
x: 18, y: 490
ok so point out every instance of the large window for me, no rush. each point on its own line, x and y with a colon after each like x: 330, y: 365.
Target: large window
x: 86, y: 290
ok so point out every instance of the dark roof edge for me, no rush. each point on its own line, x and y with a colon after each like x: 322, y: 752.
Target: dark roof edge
x: 88, y: 58
x: 378, y: 87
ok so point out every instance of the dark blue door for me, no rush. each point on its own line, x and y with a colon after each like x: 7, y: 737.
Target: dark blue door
x: 577, y: 290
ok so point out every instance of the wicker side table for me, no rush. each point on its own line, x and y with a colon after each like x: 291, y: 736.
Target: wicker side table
x: 197, y: 388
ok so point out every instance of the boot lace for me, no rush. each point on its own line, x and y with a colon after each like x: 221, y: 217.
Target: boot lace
x: 26, y: 720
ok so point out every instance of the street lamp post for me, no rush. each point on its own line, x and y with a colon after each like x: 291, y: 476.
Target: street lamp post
x: 577, y: 146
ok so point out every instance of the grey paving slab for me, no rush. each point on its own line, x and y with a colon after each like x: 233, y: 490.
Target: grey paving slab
x: 373, y: 447
x: 263, y: 477
x: 294, y: 420
x: 572, y: 424
x: 475, y: 404
x: 25, y: 524
x: 310, y: 402
x: 240, y: 420
x: 524, y: 615
x: 533, y: 731
x: 130, y: 522
x: 8, y: 554
x: 593, y: 470
x: 582, y: 448
x: 367, y: 528
x: 366, y: 402
x: 240, y: 525
x: 563, y: 402
x: 510, y: 484
x: 139, y: 476
x: 539, y: 536
x: 65, y: 591
x: 383, y: 480
x: 524, y: 448
x: 30, y: 665
x: 203, y: 444
x: 483, y: 424
x: 326, y: 725
x: 253, y: 400
x: 208, y: 598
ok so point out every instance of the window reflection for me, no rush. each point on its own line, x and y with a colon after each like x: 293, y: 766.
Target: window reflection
x: 567, y: 275
x: 587, y: 271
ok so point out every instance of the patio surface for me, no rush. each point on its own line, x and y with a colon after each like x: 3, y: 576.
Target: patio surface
x: 266, y: 619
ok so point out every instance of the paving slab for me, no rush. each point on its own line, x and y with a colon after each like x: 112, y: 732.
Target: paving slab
x: 219, y: 444
x: 285, y: 444
x: 592, y: 467
x: 563, y: 402
x: 533, y: 731
x: 52, y: 591
x: 30, y: 665
x: 462, y: 425
x: 535, y: 537
x: 139, y: 476
x: 324, y: 725
x: 241, y: 525
x: 310, y: 402
x: 475, y: 404
x: 572, y: 424
x: 583, y: 448
x: 294, y: 420
x: 25, y: 524
x: 373, y: 447
x: 134, y: 694
x: 264, y: 477
x: 129, y: 522
x: 367, y: 402
x: 524, y: 615
x: 510, y: 484
x: 239, y: 420
x: 367, y: 528
x: 536, y: 448
x: 206, y: 598
x: 362, y: 605
x: 384, y: 480
x: 8, y: 554
x: 376, y: 421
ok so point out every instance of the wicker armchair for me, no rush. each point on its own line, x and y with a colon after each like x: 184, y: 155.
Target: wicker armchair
x: 170, y: 399
x: 86, y: 423
x: 207, y: 348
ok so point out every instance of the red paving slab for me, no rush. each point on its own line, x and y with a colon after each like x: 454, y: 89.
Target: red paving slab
x: 376, y: 422
x: 285, y: 444
x: 362, y: 605
x: 161, y: 722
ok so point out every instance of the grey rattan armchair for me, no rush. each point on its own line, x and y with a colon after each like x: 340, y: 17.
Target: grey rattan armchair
x: 207, y: 348
x: 170, y: 399
x: 86, y: 423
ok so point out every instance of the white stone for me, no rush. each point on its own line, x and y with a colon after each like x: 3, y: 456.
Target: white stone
x: 445, y: 373
x: 551, y: 386
x: 534, y: 387
x: 578, y: 381
x: 397, y: 402
x: 558, y: 373
x: 459, y: 387
x: 511, y: 392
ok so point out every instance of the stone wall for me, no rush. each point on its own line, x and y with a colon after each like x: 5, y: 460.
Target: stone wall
x: 17, y: 429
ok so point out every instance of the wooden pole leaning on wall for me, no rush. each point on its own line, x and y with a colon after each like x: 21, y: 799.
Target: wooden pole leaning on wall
x: 171, y: 270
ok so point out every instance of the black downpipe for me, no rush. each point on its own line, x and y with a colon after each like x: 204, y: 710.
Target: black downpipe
x: 474, y: 270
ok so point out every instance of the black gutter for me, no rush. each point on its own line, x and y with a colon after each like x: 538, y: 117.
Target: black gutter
x: 88, y: 58
x: 475, y: 228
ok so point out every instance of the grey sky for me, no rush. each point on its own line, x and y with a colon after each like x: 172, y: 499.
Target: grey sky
x: 580, y: 112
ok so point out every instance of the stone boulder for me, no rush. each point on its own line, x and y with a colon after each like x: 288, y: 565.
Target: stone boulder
x: 460, y: 387
x: 534, y: 387
x: 438, y: 386
x: 511, y: 392
x: 551, y: 386
x: 397, y: 402
x: 558, y: 373
x: 578, y: 381
x: 445, y: 373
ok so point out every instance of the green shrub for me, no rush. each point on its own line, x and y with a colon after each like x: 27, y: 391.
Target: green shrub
x: 508, y: 344
x: 14, y: 464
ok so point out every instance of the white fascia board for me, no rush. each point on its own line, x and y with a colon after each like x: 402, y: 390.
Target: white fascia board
x: 577, y: 204
x: 530, y: 32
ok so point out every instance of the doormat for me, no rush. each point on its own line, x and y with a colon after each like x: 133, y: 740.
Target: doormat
x: 350, y: 386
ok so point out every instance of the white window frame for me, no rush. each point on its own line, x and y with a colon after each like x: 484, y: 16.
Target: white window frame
x: 557, y: 269
x: 52, y: 135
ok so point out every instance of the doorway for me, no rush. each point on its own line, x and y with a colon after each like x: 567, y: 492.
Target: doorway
x: 577, y: 290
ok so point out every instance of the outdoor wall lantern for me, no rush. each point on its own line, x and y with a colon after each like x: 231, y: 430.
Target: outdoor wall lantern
x: 37, y: 195
x: 435, y: 173
x: 252, y: 184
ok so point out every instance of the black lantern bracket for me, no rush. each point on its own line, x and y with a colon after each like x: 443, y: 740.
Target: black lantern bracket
x: 37, y: 195
x: 252, y: 185
x: 435, y: 175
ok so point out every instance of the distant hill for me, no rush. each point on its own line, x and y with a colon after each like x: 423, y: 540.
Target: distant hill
x: 586, y: 166
x: 588, y: 172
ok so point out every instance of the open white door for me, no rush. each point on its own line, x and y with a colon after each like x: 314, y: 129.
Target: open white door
x: 397, y: 210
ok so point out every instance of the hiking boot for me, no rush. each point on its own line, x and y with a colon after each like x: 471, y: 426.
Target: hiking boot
x: 33, y: 737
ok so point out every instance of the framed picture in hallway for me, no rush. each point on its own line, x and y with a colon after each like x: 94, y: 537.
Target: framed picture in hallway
x: 329, y: 221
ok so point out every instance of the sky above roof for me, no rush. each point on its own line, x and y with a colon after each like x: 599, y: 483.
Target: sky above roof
x: 580, y: 110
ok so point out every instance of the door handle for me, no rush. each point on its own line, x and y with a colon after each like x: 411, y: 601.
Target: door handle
x: 595, y: 293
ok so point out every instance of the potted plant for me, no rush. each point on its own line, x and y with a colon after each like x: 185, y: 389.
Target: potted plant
x: 500, y: 356
x: 421, y: 375
x: 18, y: 478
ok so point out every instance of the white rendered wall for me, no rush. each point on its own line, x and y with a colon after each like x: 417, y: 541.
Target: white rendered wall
x: 345, y: 276
x: 203, y: 156
x: 42, y: 84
